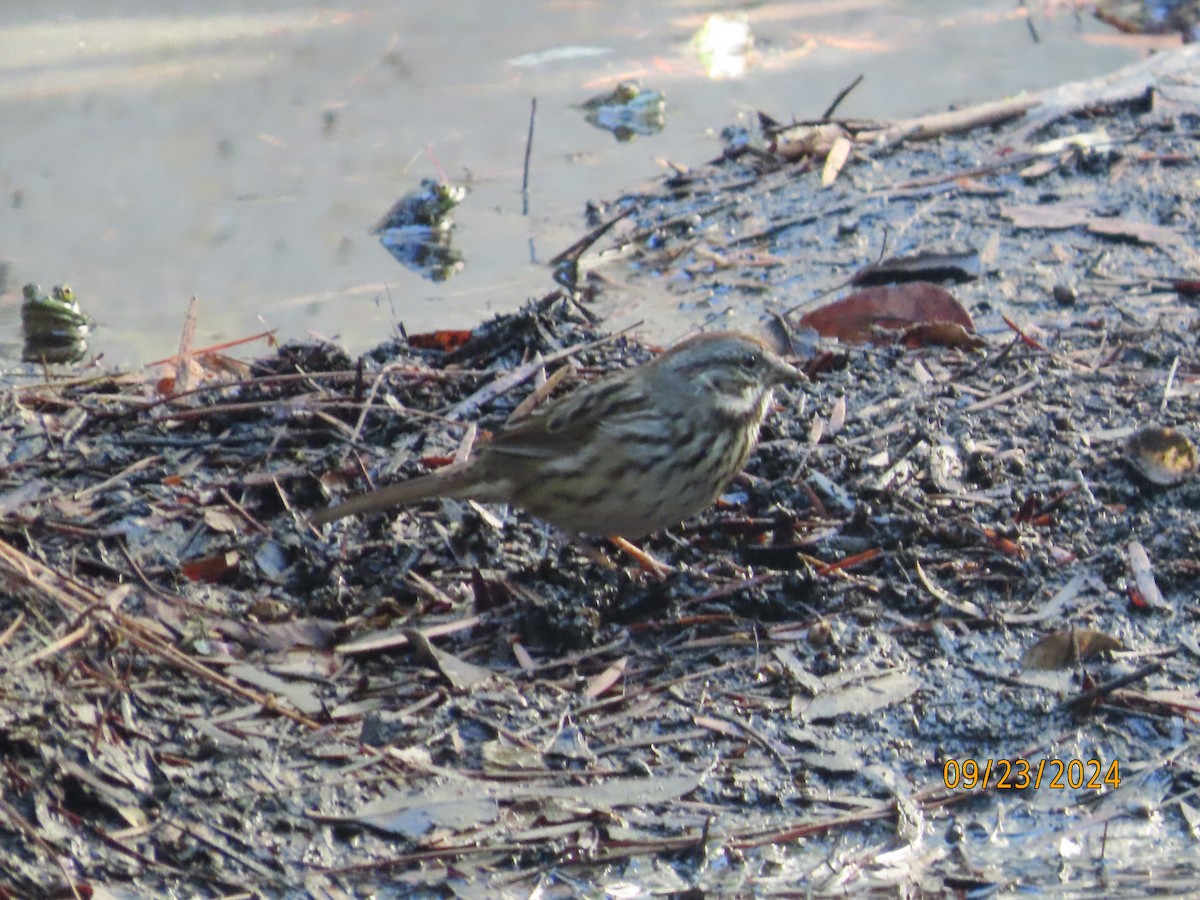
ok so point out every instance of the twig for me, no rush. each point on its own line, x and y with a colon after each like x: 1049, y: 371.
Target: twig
x: 25, y: 826
x: 988, y: 168
x: 642, y: 557
x: 358, y: 426
x: 1003, y: 396
x: 526, y: 406
x: 213, y: 348
x: 732, y: 587
x: 145, y: 463
x: 841, y: 95
x: 528, y: 151
x: 953, y: 122
x: 12, y: 629
x: 1025, y: 338
x: 794, y: 833
x: 577, y: 249
x: 61, y: 644
x: 656, y: 688
x: 206, y: 834
x: 244, y: 513
x: 755, y: 735
x: 1082, y: 701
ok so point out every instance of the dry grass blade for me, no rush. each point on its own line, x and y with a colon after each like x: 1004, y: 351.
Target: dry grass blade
x: 183, y: 362
x: 67, y: 640
x: 26, y: 577
x: 12, y: 629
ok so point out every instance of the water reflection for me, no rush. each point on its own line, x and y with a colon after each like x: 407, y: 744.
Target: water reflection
x: 416, y: 230
x: 156, y: 153
x: 628, y: 111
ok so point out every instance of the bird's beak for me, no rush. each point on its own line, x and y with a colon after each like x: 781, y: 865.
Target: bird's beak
x: 783, y: 372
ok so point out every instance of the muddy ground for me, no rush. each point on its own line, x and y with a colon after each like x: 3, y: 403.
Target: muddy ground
x: 205, y: 697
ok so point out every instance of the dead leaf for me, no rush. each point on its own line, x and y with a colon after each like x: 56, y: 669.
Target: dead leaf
x: 1083, y: 140
x: 1049, y: 216
x: 1063, y: 649
x: 945, y: 468
x: 1137, y: 232
x: 21, y: 497
x: 395, y: 638
x: 185, y: 368
x: 861, y: 697
x: 940, y: 334
x: 300, y: 694
x: 720, y: 726
x: 220, y: 521
x: 606, y: 679
x: 612, y: 793
x: 834, y: 160
x: 864, y: 315
x: 269, y: 609
x: 1040, y: 169
x: 222, y: 364
x: 319, y: 634
x: 1143, y: 577
x: 457, y: 807
x: 837, y: 416
x: 461, y: 674
x: 524, y: 660
x: 503, y: 755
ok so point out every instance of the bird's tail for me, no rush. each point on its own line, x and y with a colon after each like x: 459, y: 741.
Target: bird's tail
x: 448, y: 482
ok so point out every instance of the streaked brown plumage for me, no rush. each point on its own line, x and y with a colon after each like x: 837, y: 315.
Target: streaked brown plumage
x: 626, y: 455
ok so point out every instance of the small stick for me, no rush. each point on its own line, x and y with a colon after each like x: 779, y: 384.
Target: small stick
x: 212, y: 348
x: 837, y: 101
x: 528, y: 151
x: 1004, y: 397
x: 1081, y: 702
x: 116, y: 479
x: 1025, y: 339
x: 754, y: 734
x: 577, y: 249
x: 531, y: 402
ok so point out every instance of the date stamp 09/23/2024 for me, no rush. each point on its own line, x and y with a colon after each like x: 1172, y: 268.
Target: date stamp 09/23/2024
x: 1031, y: 774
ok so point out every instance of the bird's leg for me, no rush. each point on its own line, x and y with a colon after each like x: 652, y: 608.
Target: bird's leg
x: 597, y: 555
x: 591, y: 551
x: 642, y: 558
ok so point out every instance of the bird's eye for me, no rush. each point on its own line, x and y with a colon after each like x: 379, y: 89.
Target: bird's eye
x: 750, y: 361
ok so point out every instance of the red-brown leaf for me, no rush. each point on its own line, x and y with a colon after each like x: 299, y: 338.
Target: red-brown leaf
x: 864, y: 315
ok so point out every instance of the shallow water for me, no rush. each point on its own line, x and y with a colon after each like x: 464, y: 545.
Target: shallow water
x: 241, y: 152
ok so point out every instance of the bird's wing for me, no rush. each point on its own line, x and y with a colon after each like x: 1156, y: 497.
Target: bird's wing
x: 569, y: 424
